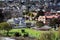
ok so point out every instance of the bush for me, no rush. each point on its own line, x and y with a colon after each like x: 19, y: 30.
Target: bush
x: 23, y: 31
x: 58, y: 34
x: 0, y: 34
x: 39, y: 23
x: 17, y: 34
x: 48, y: 36
x: 5, y: 26
x: 28, y: 27
x: 25, y: 35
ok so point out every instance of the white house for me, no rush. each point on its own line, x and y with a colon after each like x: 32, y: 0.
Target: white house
x: 18, y: 22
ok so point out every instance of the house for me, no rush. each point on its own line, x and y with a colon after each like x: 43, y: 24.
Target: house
x: 47, y: 16
x: 17, y: 22
x: 42, y: 18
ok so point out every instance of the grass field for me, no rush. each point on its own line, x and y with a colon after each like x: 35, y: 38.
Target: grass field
x: 31, y: 32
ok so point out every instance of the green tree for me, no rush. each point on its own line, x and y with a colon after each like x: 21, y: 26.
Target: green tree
x: 39, y: 23
x: 30, y: 14
x: 7, y: 14
x: 58, y: 22
x: 53, y: 22
x: 5, y: 26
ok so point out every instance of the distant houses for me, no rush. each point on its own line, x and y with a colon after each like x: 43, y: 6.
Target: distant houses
x: 47, y: 16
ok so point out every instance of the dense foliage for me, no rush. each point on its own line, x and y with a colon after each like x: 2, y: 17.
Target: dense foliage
x: 39, y: 23
x: 40, y: 13
x: 5, y: 26
x: 54, y: 22
x: 48, y: 36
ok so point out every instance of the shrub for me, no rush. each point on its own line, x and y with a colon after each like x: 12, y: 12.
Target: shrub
x: 25, y: 35
x: 23, y: 31
x: 39, y: 23
x: 58, y: 34
x: 47, y: 36
x: 5, y: 26
x: 28, y: 27
x: 17, y: 34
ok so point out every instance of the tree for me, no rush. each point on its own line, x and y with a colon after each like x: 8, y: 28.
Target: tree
x: 40, y: 13
x: 1, y: 16
x: 53, y: 22
x: 30, y: 14
x: 58, y: 22
x: 5, y: 26
x: 39, y: 23
x: 7, y: 14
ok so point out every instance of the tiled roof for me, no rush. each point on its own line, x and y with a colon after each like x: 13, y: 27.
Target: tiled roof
x: 52, y: 16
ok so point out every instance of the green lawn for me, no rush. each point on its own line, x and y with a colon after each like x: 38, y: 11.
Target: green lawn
x: 32, y: 32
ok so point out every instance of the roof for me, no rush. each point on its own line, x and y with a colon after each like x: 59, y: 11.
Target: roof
x: 45, y: 27
x: 52, y: 16
x: 58, y: 11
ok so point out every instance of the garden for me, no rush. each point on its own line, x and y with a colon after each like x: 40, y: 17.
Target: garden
x: 6, y: 30
x: 26, y: 32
